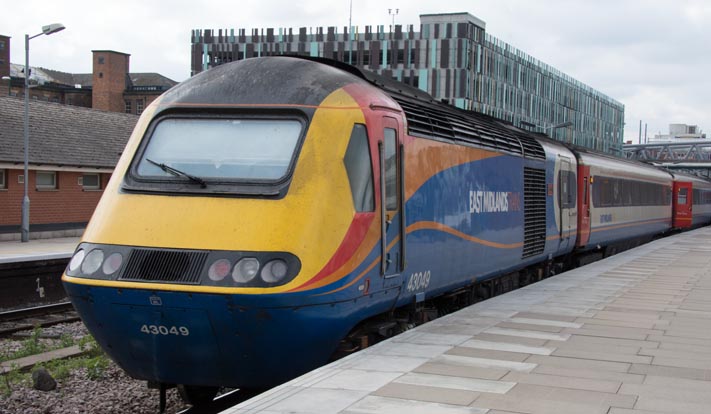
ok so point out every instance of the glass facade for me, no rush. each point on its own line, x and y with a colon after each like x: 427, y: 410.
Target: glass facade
x: 454, y: 59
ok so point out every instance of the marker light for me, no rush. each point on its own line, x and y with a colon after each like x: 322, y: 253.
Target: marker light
x: 245, y: 270
x: 219, y: 269
x: 76, y: 260
x: 93, y: 261
x: 274, y: 271
x: 112, y: 263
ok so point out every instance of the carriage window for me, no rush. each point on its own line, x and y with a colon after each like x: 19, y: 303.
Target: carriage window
x: 359, y: 169
x: 221, y: 149
x: 681, y: 199
x: 390, y: 169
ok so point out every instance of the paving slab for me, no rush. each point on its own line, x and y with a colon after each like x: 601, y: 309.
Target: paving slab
x: 492, y: 354
x: 671, y: 371
x: 564, y: 382
x: 544, y: 399
x: 430, y: 394
x: 590, y: 373
x: 458, y: 368
x: 507, y: 347
x: 382, y: 405
x: 511, y: 339
x: 456, y: 383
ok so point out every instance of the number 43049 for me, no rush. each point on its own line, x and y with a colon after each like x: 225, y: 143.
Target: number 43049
x: 165, y: 330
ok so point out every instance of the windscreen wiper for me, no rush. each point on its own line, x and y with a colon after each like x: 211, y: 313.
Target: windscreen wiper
x: 178, y: 173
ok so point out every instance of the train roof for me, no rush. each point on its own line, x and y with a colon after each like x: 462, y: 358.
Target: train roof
x: 260, y: 81
x: 620, y: 166
x: 429, y: 118
x: 688, y: 177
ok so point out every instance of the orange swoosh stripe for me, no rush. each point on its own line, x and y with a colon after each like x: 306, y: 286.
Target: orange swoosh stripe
x: 431, y: 225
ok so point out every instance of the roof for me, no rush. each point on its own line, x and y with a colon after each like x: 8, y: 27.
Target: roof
x: 151, y: 79
x: 44, y: 75
x: 63, y: 135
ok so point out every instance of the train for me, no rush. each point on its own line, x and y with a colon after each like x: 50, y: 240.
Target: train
x: 269, y: 213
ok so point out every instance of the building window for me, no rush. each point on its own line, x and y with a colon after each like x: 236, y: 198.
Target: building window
x: 46, y: 180
x: 139, y: 106
x: 90, y: 181
x: 3, y: 180
x: 101, y: 60
x: 2, y: 45
x: 128, y: 106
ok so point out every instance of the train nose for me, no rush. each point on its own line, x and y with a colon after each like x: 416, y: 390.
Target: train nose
x: 161, y: 340
x: 150, y: 337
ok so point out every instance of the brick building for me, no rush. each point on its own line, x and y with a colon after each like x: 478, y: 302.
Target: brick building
x: 72, y: 154
x: 79, y: 124
x: 110, y: 87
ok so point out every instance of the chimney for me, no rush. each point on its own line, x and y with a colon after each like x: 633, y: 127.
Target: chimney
x: 110, y: 76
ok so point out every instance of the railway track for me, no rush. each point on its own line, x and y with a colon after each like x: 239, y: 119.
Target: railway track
x: 46, y: 315
x: 222, y: 402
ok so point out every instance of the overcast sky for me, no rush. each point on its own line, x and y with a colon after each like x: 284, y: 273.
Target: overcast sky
x: 651, y: 55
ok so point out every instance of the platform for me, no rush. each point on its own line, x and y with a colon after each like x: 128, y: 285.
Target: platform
x: 37, y: 249
x: 627, y: 335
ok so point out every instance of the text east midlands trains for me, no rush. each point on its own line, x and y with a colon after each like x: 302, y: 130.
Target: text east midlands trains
x: 493, y: 201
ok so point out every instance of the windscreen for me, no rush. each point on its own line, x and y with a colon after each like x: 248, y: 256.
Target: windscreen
x: 221, y: 149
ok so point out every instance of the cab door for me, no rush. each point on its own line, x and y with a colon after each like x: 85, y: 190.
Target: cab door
x: 566, y: 201
x: 682, y: 214
x: 392, y: 212
x: 584, y: 189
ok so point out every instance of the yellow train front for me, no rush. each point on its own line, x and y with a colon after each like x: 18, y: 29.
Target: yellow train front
x: 217, y: 254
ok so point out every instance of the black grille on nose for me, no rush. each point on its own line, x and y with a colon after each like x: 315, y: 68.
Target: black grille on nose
x: 161, y: 265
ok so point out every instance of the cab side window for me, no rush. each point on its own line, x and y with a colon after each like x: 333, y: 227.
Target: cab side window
x: 390, y: 169
x: 359, y: 169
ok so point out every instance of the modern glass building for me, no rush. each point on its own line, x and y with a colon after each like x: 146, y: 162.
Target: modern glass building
x: 454, y: 59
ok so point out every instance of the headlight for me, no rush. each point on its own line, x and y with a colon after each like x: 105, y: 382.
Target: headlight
x: 112, y: 263
x: 245, y: 270
x: 77, y: 259
x: 93, y: 261
x: 274, y: 271
x: 219, y: 269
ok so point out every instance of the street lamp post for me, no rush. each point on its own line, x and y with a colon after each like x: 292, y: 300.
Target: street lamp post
x: 390, y: 12
x: 46, y: 30
x: 556, y: 126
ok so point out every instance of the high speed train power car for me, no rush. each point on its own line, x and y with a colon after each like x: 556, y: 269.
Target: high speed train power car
x: 266, y: 209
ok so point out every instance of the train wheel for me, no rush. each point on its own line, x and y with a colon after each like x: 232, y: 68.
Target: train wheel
x: 197, y: 395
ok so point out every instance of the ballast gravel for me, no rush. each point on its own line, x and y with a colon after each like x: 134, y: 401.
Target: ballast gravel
x: 114, y: 392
